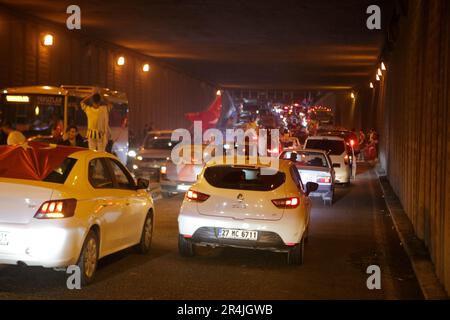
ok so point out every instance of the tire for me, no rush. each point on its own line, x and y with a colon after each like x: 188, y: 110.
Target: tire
x: 145, y: 244
x: 167, y: 194
x: 185, y: 247
x: 295, y: 256
x: 89, y: 258
x: 306, y: 236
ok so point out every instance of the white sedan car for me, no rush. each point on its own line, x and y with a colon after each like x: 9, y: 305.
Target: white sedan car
x: 87, y: 207
x: 243, y: 206
x: 340, y: 154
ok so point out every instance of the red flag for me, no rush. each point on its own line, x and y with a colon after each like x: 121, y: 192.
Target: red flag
x: 32, y: 161
x: 209, y: 117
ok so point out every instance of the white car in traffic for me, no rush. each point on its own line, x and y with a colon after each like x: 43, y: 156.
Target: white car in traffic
x: 339, y: 153
x: 87, y: 207
x: 243, y: 206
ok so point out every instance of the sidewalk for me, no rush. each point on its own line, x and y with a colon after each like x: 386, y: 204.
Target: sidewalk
x: 415, y: 248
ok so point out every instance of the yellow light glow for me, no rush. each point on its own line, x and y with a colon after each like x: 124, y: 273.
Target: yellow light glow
x: 383, y: 66
x: 146, y: 67
x: 21, y: 99
x: 121, y: 61
x: 218, y: 93
x: 378, y: 78
x: 352, y: 95
x: 47, y: 40
x: 371, y: 85
x: 36, y: 110
x: 379, y: 72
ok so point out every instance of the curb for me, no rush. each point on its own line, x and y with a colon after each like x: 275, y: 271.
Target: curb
x: 415, y: 248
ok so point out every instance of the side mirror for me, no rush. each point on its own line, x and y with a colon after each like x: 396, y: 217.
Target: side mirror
x: 142, y: 183
x: 311, y: 187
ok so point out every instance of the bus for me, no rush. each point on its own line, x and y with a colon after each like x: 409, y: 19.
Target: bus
x: 42, y: 113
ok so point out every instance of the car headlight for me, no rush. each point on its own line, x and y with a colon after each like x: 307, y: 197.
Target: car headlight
x: 132, y: 154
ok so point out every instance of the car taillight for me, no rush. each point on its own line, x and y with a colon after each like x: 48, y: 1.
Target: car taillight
x: 324, y: 180
x: 163, y: 170
x: 287, y: 203
x: 192, y: 195
x: 57, y: 209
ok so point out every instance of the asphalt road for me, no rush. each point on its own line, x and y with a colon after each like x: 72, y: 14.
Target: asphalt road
x: 345, y: 239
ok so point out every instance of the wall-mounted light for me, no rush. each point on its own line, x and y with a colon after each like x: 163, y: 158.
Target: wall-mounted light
x: 121, y: 61
x: 380, y: 73
x: 378, y: 77
x: 383, y: 66
x: 219, y: 93
x: 47, y: 40
x: 352, y: 95
x: 146, y: 67
x: 371, y: 85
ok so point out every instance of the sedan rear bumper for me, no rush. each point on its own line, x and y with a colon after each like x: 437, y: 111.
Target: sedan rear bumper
x: 40, y: 245
x: 270, y: 241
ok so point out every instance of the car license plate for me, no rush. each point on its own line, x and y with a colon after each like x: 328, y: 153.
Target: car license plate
x: 183, y: 187
x: 4, y: 238
x: 238, y: 234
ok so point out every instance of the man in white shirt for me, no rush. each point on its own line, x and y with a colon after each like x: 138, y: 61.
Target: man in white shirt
x: 15, y: 137
x: 98, y: 121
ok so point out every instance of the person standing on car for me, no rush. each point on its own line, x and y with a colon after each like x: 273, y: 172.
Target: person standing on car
x: 98, y: 121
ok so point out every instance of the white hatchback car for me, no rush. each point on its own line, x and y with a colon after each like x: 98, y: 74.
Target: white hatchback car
x: 239, y: 206
x: 86, y: 207
x: 339, y: 153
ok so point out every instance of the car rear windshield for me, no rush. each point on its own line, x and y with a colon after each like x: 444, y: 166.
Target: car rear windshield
x: 307, y: 159
x: 243, y: 178
x: 60, y: 174
x: 158, y: 143
x: 336, y: 147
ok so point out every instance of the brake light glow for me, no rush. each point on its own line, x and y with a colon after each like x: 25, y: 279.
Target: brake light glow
x: 324, y: 180
x: 57, y: 209
x: 192, y: 195
x: 287, y: 203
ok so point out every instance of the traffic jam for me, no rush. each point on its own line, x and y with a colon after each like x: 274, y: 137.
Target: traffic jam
x: 202, y: 151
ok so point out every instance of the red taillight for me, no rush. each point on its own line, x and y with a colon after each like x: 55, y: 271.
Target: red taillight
x: 57, y: 209
x: 192, y: 195
x: 287, y: 203
x: 324, y: 180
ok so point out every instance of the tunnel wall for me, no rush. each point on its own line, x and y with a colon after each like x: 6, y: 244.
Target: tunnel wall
x: 412, y: 114
x: 161, y: 96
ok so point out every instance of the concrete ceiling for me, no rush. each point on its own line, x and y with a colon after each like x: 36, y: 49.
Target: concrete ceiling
x: 296, y: 45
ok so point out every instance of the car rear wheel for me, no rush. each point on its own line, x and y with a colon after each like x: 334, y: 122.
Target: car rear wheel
x: 295, y: 255
x: 89, y: 258
x: 185, y: 247
x: 146, y: 236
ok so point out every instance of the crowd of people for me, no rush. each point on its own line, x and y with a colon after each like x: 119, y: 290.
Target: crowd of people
x: 368, y: 145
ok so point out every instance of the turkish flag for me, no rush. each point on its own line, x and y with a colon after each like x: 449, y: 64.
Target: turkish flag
x: 210, y: 116
x: 32, y: 161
